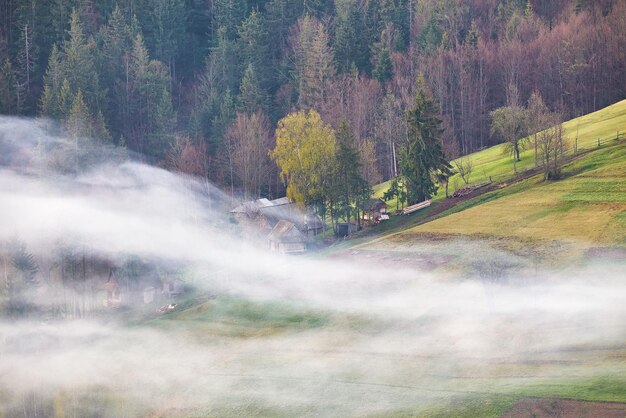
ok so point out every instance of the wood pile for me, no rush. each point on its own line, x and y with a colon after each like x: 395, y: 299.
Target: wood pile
x: 462, y: 192
x: 416, y: 207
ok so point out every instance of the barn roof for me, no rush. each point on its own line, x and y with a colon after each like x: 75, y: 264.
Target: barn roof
x: 280, y: 209
x: 292, y: 213
x: 285, y: 231
x: 281, y: 201
x: 375, y: 204
x: 252, y: 206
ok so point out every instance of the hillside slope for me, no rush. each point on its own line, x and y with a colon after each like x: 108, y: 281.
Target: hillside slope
x: 582, y: 132
x: 588, y: 204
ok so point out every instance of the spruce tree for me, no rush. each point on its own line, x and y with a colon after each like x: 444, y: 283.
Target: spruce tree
x: 349, y: 43
x: 8, y: 84
x: 52, y: 85
x: 423, y: 154
x: 254, y: 49
x: 251, y: 95
x: 78, y: 63
x: 115, y: 41
x: 78, y: 122
x: 349, y: 185
x: 228, y: 14
x: 383, y: 71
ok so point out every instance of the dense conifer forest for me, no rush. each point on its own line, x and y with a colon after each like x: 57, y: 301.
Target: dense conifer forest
x: 199, y: 86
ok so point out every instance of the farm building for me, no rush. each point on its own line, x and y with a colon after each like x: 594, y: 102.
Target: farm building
x: 375, y: 210
x: 173, y: 287
x: 285, y: 238
x: 248, y: 213
x: 148, y: 294
x: 344, y: 229
x: 263, y: 215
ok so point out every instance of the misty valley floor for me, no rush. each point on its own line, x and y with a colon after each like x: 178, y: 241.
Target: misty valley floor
x: 415, y: 330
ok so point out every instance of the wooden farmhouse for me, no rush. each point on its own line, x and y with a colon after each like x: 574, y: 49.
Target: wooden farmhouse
x: 173, y: 287
x: 263, y: 215
x: 375, y: 210
x: 285, y: 238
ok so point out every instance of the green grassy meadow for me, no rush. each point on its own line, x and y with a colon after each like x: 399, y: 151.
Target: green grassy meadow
x: 495, y: 163
x: 587, y: 205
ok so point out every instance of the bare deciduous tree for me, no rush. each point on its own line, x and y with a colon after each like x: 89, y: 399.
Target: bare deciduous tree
x: 551, y: 146
x: 536, y: 119
x: 509, y: 122
x: 465, y: 167
x: 249, y: 140
x: 188, y: 157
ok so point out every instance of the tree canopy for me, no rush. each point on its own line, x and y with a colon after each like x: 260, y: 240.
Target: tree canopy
x: 304, y: 153
x: 422, y: 155
x: 152, y: 71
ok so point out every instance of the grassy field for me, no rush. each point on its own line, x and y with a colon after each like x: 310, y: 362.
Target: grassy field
x: 587, y: 205
x: 240, y: 318
x: 495, y: 163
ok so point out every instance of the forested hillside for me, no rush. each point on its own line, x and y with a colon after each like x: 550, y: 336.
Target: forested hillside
x: 199, y: 85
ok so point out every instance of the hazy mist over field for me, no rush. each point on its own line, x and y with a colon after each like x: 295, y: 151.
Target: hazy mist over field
x: 359, y: 337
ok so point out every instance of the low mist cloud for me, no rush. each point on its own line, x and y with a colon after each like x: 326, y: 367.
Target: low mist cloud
x: 392, y: 336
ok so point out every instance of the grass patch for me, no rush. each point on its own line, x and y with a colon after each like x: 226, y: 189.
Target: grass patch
x: 592, y: 194
x: 586, y: 205
x: 238, y: 317
x: 597, y: 389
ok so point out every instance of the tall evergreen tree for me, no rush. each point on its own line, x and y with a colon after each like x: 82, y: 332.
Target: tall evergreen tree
x: 79, y: 65
x: 349, y: 43
x: 116, y: 40
x: 314, y: 63
x: 349, y: 186
x: 223, y: 65
x: 78, y: 122
x: 251, y: 95
x: 26, y: 60
x: 225, y: 114
x: 50, y: 100
x: 150, y: 109
x: 280, y: 16
x: 423, y: 154
x: 383, y: 70
x: 254, y: 49
x: 8, y: 84
x: 228, y: 14
x: 164, y: 30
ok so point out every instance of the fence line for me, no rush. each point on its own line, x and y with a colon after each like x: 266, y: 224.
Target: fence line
x: 619, y: 136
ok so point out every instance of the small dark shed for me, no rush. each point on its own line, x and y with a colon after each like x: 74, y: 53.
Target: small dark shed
x: 285, y: 238
x: 345, y: 229
x: 173, y: 287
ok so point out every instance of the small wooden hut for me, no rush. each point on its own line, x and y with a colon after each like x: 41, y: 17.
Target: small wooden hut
x: 285, y: 238
x: 374, y: 209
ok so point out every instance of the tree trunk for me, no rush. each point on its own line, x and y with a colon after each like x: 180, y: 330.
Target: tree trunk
x: 536, y: 160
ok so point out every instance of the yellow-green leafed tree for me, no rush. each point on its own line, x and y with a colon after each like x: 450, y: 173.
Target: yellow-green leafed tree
x: 305, y: 155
